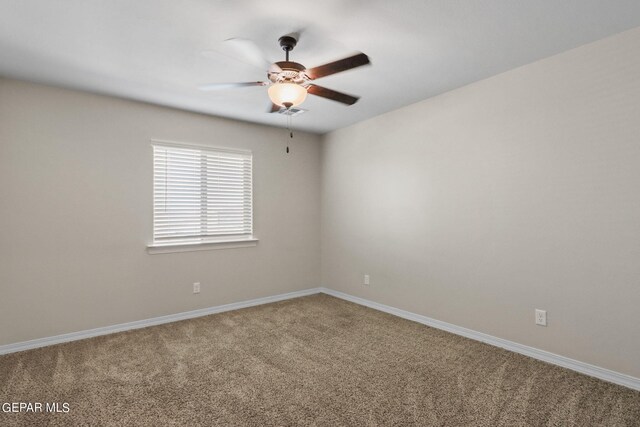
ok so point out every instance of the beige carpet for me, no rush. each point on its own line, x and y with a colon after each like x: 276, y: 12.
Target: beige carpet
x: 315, y: 360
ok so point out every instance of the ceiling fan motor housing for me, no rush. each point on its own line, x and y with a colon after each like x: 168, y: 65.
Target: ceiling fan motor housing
x: 288, y: 72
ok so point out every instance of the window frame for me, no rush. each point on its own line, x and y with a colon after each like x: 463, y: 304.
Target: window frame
x: 226, y: 242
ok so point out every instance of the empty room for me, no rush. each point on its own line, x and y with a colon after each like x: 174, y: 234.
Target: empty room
x: 329, y: 213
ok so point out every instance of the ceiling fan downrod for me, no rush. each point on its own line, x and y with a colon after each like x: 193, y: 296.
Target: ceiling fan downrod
x: 287, y: 43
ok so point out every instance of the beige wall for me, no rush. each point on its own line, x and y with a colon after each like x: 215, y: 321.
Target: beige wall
x: 76, y: 209
x: 518, y: 192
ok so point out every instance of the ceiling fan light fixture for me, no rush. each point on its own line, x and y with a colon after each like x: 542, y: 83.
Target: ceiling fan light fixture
x: 287, y: 94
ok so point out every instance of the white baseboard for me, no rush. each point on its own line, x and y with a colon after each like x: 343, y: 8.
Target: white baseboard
x: 565, y: 362
x: 74, y: 336
x: 545, y: 356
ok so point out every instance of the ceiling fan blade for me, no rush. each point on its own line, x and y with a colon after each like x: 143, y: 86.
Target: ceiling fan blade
x: 332, y: 94
x: 247, y: 51
x: 274, y: 108
x: 222, y: 86
x: 338, y: 66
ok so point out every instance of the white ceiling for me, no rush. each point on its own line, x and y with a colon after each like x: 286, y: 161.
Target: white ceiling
x: 159, y: 51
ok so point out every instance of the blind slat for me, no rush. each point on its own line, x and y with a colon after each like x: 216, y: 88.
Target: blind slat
x: 172, y: 155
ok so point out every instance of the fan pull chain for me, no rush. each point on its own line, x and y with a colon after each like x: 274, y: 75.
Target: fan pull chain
x: 290, y: 130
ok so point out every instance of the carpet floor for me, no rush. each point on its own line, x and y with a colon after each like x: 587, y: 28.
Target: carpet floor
x: 317, y: 361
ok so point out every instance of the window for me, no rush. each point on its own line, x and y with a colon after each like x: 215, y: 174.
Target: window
x: 201, y: 195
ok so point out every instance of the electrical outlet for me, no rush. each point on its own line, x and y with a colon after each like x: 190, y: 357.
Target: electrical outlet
x: 541, y: 317
x: 196, y: 288
x: 365, y: 281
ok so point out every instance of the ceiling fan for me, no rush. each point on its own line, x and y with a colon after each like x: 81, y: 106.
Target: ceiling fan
x: 289, y: 81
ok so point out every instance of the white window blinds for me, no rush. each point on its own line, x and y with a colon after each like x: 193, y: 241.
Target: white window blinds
x: 201, y: 195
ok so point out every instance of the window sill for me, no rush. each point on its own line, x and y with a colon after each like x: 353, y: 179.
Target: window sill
x: 201, y: 246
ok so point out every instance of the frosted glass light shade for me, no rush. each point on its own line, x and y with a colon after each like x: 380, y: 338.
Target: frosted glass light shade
x: 290, y: 94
